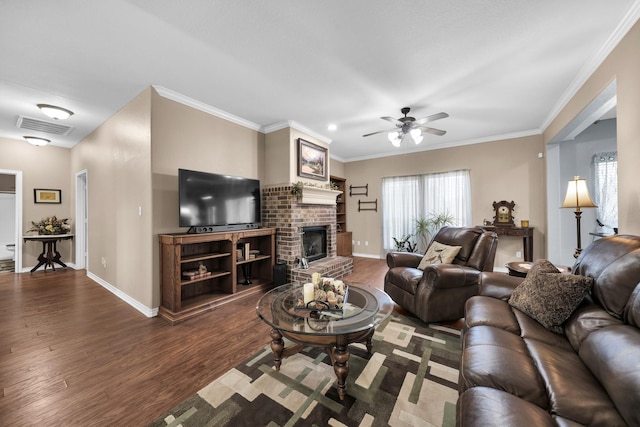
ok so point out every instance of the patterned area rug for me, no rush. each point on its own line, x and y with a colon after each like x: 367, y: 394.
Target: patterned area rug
x: 410, y: 380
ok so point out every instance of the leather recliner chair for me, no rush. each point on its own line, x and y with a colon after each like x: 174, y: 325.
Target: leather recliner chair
x: 440, y: 291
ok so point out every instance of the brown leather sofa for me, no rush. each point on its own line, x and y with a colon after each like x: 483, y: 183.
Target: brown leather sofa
x: 439, y: 292
x: 515, y: 372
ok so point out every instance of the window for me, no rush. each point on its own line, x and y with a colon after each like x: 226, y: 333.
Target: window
x: 407, y: 198
x: 605, y: 167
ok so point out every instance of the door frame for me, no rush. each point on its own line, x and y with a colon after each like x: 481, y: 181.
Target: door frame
x: 82, y: 220
x: 18, y: 222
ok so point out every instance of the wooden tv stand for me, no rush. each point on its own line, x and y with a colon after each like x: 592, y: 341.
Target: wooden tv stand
x: 186, y: 293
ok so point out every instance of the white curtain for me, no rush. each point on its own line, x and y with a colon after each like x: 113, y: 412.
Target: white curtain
x: 606, y: 188
x: 407, y: 198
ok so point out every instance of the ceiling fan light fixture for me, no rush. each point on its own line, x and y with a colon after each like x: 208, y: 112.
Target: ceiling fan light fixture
x: 57, y: 113
x: 416, y: 135
x: 394, y: 138
x: 37, y: 141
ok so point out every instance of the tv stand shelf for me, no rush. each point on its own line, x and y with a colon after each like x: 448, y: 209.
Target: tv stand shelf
x: 181, y: 254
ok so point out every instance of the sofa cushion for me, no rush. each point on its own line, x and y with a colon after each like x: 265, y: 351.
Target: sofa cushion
x: 548, y: 296
x: 574, y: 393
x: 614, y: 263
x: 612, y: 355
x: 439, y: 253
x: 585, y: 319
x: 484, y: 406
x: 481, y: 310
x: 495, y: 358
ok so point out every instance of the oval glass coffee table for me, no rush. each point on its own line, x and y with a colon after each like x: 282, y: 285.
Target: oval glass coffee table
x: 334, y: 330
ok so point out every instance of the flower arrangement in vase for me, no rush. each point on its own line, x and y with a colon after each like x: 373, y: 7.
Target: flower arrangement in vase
x: 51, y: 225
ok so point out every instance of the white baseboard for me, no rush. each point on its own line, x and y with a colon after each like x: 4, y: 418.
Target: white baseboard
x: 368, y: 256
x: 149, y: 312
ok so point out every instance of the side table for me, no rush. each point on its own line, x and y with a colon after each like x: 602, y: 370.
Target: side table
x: 521, y: 268
x: 49, y: 254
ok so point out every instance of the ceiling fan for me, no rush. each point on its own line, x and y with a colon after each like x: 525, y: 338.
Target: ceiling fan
x: 408, y: 125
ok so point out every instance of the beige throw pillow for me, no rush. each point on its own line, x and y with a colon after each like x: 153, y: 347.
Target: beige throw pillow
x: 439, y: 254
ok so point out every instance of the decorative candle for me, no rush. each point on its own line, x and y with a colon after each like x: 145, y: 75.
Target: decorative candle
x: 308, y: 293
x: 315, y: 278
x: 524, y: 223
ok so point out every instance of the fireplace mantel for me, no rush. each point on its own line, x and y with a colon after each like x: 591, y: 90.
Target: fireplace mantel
x: 319, y: 196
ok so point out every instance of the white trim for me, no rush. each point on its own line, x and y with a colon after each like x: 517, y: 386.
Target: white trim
x: 18, y: 221
x: 431, y: 146
x: 82, y: 216
x: 297, y: 126
x: 372, y: 256
x: 149, y: 312
x: 602, y: 103
x: 592, y: 65
x: 198, y: 105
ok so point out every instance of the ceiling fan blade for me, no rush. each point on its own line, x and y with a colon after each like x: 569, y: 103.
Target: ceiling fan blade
x: 380, y: 131
x: 392, y: 120
x: 432, y: 118
x: 432, y: 131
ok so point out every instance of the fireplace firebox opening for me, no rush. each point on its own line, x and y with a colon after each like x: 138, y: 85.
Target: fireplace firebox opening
x: 314, y: 242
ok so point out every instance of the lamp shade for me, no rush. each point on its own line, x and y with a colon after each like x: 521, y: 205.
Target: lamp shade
x: 578, y: 195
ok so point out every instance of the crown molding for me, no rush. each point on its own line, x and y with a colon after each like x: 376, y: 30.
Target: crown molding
x: 439, y: 146
x: 592, y: 65
x: 198, y: 105
x: 297, y: 126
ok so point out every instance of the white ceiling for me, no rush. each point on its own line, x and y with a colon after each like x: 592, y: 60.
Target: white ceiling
x: 500, y: 68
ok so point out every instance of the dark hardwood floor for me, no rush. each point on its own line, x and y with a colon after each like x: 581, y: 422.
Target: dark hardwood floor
x: 73, y: 354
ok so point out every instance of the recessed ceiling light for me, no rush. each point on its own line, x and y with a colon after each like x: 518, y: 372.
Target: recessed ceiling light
x: 37, y: 140
x: 332, y: 126
x: 54, y: 112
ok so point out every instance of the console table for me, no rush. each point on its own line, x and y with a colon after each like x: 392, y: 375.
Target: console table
x: 49, y: 254
x: 526, y: 234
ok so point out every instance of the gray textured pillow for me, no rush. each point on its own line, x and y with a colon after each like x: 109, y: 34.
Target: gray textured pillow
x: 549, y: 296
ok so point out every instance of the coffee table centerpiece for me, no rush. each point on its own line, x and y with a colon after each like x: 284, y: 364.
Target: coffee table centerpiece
x: 308, y: 315
x: 322, y: 293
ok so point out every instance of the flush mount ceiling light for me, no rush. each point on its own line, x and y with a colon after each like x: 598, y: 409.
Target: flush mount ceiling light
x: 54, y: 112
x: 35, y: 140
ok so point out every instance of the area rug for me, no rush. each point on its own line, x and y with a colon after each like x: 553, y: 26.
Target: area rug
x: 409, y: 380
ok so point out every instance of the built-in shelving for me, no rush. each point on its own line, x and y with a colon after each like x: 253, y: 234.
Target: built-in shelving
x: 344, y: 245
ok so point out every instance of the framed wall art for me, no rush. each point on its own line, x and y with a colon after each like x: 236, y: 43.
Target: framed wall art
x: 42, y: 195
x: 312, y: 160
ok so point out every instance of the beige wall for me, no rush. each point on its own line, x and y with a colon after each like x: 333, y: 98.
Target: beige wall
x: 336, y: 168
x: 623, y: 65
x: 500, y: 170
x: 186, y: 138
x: 117, y: 159
x: 42, y: 167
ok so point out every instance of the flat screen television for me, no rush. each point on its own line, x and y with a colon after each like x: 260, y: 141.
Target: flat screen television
x: 212, y: 202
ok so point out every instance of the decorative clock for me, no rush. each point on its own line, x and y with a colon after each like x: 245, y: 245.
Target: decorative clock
x: 503, y: 214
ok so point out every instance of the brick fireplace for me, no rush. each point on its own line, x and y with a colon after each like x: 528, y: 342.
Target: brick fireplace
x: 288, y: 214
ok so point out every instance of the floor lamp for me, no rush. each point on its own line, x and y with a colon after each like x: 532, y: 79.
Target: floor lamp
x: 578, y: 197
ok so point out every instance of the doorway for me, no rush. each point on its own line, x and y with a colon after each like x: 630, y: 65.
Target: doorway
x: 82, y: 220
x: 11, y: 212
x: 570, y: 154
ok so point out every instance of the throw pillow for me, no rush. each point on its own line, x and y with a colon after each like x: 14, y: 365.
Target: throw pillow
x: 549, y: 296
x: 439, y: 254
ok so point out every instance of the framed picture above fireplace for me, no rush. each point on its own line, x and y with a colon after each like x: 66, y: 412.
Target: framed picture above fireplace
x: 312, y: 160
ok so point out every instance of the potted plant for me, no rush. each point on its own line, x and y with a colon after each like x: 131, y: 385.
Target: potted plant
x: 427, y: 227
